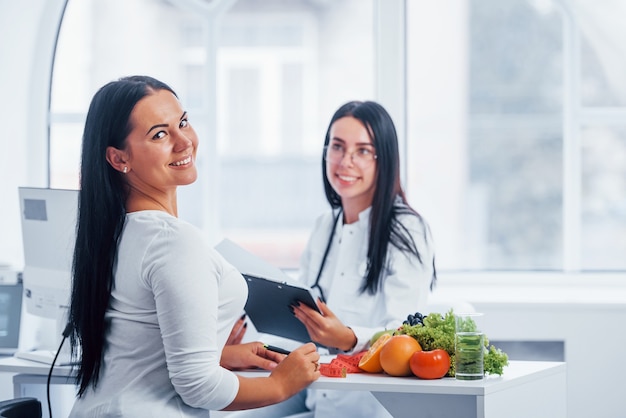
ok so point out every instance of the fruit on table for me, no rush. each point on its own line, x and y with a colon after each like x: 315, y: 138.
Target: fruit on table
x: 395, y: 356
x: 370, y: 362
x: 414, y: 319
x: 377, y: 335
x: 438, y: 331
x: 432, y: 364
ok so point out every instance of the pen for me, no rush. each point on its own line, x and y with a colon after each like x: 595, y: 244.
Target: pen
x: 276, y: 349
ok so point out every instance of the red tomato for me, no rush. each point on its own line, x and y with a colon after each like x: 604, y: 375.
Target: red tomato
x: 430, y: 364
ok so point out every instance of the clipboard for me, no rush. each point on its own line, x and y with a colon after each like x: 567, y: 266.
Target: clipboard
x: 268, y: 307
x: 270, y: 294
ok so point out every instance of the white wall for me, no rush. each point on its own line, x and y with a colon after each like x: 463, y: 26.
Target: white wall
x: 26, y: 41
x: 27, y: 34
x: 13, y: 118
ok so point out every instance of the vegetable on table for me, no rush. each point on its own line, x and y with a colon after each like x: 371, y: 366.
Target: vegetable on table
x: 435, y: 331
x: 432, y: 364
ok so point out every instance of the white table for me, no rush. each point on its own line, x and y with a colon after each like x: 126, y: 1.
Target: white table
x: 32, y: 372
x: 526, y: 389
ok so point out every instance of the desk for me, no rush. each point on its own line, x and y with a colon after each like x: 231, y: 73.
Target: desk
x: 526, y: 389
x: 31, y: 372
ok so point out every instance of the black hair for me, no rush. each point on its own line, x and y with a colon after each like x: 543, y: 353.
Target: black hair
x: 100, y: 220
x: 389, y: 200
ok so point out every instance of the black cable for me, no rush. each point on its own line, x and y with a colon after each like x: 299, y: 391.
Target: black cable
x: 66, y: 333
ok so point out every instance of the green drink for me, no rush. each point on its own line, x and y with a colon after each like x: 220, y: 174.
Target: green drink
x: 469, y: 350
x: 469, y: 345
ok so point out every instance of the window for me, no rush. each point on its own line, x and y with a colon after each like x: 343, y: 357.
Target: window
x: 517, y: 144
x: 515, y: 141
x: 282, y: 71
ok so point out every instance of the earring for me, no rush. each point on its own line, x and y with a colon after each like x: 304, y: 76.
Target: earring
x: 125, y: 170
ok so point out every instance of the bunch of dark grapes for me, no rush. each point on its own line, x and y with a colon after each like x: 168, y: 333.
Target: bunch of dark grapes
x: 414, y: 319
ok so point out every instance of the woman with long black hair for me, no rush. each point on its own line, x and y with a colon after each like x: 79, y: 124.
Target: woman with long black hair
x: 152, y: 304
x: 372, y: 256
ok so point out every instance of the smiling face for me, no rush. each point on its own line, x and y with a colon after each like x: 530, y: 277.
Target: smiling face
x: 160, y: 151
x: 351, y: 177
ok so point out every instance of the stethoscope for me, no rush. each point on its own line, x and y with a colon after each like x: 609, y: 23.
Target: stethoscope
x: 330, y: 242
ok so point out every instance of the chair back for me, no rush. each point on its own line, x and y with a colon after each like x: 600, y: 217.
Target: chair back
x: 20, y: 408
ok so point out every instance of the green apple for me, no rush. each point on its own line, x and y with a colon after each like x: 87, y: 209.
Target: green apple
x: 378, y: 334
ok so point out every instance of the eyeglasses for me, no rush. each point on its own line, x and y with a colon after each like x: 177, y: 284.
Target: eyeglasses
x: 363, y: 156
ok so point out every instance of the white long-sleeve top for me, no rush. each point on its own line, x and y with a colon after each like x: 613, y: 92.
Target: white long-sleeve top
x: 173, y: 304
x: 406, y: 285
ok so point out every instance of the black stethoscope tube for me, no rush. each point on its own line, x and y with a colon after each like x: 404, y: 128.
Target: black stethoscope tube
x: 319, y: 273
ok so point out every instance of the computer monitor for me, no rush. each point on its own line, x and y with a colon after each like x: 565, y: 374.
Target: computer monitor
x: 48, y: 218
x: 10, y: 317
x: 48, y: 234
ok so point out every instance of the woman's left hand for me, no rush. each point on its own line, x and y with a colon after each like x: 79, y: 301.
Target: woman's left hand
x: 249, y: 355
x: 325, y: 328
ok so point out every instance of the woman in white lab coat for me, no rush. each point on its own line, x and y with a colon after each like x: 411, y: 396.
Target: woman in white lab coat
x: 371, y: 257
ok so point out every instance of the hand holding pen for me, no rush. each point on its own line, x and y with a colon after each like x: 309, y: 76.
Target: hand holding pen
x: 276, y: 349
x: 250, y: 356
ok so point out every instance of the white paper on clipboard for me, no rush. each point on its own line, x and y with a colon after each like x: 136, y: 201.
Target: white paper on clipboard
x: 270, y: 294
x: 248, y: 263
